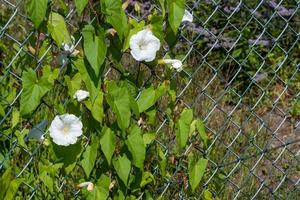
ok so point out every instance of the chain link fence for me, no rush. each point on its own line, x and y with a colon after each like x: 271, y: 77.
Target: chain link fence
x: 241, y: 76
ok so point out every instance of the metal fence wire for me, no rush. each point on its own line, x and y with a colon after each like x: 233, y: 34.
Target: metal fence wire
x: 241, y: 76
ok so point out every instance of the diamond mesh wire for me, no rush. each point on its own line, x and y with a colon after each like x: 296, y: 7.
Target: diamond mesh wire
x: 241, y: 76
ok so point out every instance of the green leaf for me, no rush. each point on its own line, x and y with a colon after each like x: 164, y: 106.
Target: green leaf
x: 146, y: 179
x: 73, y: 84
x: 122, y: 166
x: 36, y: 10
x: 15, y: 118
x: 33, y: 91
x: 20, y: 136
x: 108, y: 144
x: 68, y: 155
x: 196, y: 172
x: 119, y: 100
x: 87, y: 79
x: 58, y: 29
x: 208, y: 195
x: 151, y: 116
x: 162, y: 5
x: 94, y: 47
x: 2, y: 111
x: 149, y: 97
x: 176, y: 12
x: 49, y: 74
x: 47, y: 180
x: 146, y: 99
x: 119, y: 195
x: 96, y: 107
x: 157, y: 27
x: 89, y: 156
x: 101, y: 189
x: 115, y: 15
x: 148, y: 138
x: 202, y: 133
x: 183, y: 127
x: 4, y: 182
x: 9, y: 185
x: 163, y: 161
x: 80, y: 5
x: 13, y: 189
x: 135, y: 144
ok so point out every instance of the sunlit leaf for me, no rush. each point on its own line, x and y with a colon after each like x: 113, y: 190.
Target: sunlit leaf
x: 80, y: 5
x: 9, y: 185
x: 108, y: 144
x: 119, y: 100
x: 101, y: 189
x: 36, y: 10
x: 15, y: 118
x: 146, y: 179
x: 47, y: 180
x: 196, y: 171
x: 146, y: 99
x: 89, y: 156
x: 176, y: 11
x: 202, y: 133
x: 122, y: 166
x: 58, y: 29
x: 94, y: 47
x: 96, y: 107
x: 115, y: 15
x: 33, y: 91
x: 135, y: 144
x: 148, y: 138
x: 183, y: 127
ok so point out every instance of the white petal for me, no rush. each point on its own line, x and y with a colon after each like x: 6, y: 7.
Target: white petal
x: 55, y: 124
x: 188, y: 17
x: 149, y: 55
x: 136, y: 54
x: 144, y: 46
x: 65, y: 129
x: 81, y: 95
x: 176, y: 64
x: 75, y: 131
x: 69, y: 118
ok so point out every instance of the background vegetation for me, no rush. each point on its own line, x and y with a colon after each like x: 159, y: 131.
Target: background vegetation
x: 240, y: 78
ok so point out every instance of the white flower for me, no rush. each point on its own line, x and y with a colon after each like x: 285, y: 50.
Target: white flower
x: 65, y: 129
x: 89, y: 186
x: 69, y: 48
x: 144, y: 46
x: 176, y: 64
x: 81, y: 95
x: 187, y: 17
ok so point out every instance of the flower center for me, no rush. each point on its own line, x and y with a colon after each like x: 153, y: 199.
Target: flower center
x: 66, y: 129
x: 142, y: 45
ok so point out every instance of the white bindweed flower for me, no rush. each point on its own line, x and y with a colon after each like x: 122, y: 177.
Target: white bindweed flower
x: 176, y: 64
x: 89, y: 186
x: 81, y: 95
x: 65, y: 129
x: 68, y: 47
x: 187, y: 17
x: 144, y: 46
